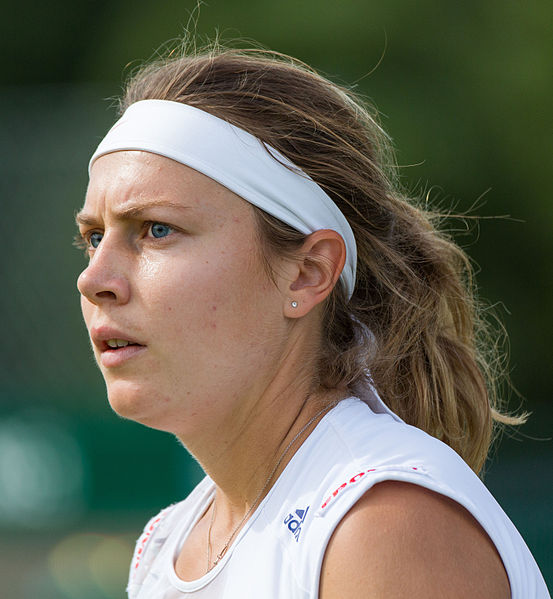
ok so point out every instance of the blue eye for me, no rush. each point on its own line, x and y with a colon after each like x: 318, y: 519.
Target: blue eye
x: 95, y: 239
x: 160, y: 230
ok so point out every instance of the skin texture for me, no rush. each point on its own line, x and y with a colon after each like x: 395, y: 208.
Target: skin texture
x: 226, y: 363
x: 403, y: 541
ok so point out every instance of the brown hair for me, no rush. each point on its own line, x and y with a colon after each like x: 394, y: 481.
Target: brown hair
x: 427, y: 352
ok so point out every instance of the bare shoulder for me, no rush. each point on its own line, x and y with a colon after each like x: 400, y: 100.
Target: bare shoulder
x: 402, y: 540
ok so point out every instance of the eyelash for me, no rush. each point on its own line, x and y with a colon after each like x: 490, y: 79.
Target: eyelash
x: 82, y: 240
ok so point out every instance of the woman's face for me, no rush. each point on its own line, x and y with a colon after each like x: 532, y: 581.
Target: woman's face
x: 181, y: 314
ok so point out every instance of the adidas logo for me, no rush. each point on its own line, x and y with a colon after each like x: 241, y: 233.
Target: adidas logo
x: 294, y: 522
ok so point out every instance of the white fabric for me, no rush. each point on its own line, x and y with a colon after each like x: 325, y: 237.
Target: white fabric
x: 279, y: 552
x: 236, y: 159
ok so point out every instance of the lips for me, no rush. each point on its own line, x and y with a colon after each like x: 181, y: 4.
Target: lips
x: 116, y: 347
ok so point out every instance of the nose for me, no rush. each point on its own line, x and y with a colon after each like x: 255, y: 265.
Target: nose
x: 104, y: 280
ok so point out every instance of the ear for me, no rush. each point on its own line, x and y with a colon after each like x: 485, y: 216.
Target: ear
x: 316, y: 272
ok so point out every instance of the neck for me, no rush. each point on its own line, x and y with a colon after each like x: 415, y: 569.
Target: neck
x: 242, y: 435
x: 247, y: 461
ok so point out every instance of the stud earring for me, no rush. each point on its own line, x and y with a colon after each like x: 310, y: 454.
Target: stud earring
x: 294, y: 304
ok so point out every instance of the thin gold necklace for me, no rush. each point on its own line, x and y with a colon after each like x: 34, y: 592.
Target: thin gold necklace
x: 211, y: 564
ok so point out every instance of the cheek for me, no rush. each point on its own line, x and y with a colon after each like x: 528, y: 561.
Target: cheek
x: 204, y: 288
x: 181, y: 295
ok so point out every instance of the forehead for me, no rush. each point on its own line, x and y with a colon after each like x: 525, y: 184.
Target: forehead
x: 124, y: 179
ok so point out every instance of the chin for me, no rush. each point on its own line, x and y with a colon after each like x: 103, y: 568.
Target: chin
x: 147, y: 405
x: 134, y: 402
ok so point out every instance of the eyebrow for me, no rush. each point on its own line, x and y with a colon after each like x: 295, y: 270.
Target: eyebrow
x: 129, y: 212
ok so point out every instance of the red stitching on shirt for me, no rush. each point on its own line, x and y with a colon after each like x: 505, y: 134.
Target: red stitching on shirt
x: 144, y: 539
x: 351, y: 481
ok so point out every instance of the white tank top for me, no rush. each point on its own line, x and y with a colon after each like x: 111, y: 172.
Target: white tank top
x: 279, y: 552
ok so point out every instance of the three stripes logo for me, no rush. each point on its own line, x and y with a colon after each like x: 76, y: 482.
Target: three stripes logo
x: 294, y: 522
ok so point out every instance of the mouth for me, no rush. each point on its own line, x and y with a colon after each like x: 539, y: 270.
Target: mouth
x: 115, y: 347
x: 116, y: 344
x: 117, y: 352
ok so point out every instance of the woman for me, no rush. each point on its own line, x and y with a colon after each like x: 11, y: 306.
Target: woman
x: 256, y: 283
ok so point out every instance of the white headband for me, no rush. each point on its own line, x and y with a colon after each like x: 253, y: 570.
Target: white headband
x: 235, y: 159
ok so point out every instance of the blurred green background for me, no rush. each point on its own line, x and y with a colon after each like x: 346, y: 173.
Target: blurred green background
x: 465, y: 91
